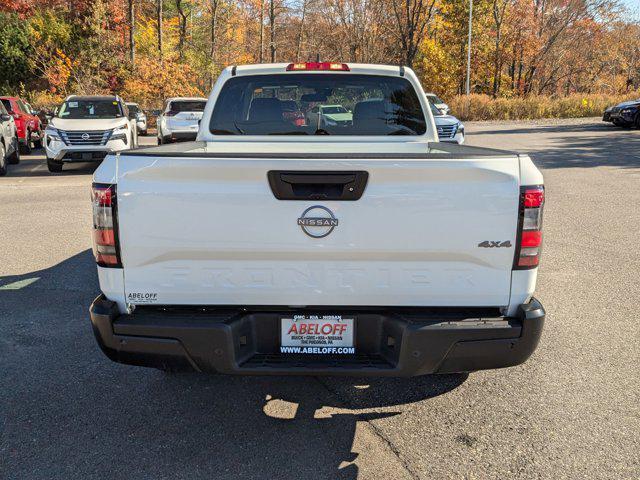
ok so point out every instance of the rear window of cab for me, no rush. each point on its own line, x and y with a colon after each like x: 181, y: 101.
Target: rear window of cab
x: 317, y: 104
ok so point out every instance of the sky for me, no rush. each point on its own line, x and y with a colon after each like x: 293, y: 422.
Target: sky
x: 634, y: 6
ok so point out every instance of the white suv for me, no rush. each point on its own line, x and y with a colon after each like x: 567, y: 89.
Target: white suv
x: 87, y: 128
x: 9, y: 147
x: 180, y: 119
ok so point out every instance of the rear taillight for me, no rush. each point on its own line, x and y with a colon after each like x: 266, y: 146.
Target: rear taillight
x: 106, y: 248
x: 529, y: 243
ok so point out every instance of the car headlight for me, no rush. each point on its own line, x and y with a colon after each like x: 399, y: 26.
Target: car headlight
x: 628, y: 110
x: 460, y: 128
x: 120, y: 133
x: 52, y: 134
x: 329, y: 122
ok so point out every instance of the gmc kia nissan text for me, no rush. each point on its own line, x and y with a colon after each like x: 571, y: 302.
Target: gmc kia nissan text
x: 272, y: 245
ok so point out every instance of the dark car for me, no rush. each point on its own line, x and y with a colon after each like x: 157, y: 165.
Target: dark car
x: 292, y: 113
x: 625, y: 114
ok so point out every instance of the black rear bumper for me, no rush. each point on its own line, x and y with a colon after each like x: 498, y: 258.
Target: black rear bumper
x: 389, y: 341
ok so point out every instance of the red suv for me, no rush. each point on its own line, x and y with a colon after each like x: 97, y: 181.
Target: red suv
x: 27, y: 123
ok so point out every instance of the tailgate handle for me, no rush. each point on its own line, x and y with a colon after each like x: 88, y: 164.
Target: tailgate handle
x: 317, y: 185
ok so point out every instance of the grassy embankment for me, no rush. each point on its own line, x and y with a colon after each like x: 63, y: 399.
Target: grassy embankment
x: 484, y: 107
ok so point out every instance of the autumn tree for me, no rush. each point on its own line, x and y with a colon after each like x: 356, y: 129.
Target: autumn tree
x: 411, y: 20
x: 520, y: 47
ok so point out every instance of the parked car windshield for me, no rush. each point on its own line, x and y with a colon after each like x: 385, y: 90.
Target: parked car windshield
x: 330, y: 110
x: 435, y: 110
x: 372, y: 105
x: 86, y: 109
x: 187, y: 106
x: 7, y: 105
x: 133, y: 109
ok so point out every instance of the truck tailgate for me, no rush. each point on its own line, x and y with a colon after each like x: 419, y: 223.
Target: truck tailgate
x: 208, y: 230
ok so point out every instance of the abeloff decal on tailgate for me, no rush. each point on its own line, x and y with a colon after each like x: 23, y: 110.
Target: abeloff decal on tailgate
x: 142, y: 297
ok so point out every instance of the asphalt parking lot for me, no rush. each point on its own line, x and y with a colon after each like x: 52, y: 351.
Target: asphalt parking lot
x: 572, y: 411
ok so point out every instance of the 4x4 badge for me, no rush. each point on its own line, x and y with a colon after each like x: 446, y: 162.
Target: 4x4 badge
x: 492, y: 244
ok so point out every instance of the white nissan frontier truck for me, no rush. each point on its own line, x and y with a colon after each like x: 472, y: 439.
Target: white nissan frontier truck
x: 273, y: 246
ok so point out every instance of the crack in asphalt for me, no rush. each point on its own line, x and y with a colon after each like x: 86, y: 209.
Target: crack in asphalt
x: 377, y: 431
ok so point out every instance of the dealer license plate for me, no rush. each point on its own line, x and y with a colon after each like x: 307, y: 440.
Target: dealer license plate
x: 317, y: 334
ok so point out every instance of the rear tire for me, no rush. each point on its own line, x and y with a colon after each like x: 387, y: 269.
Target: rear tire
x: 14, y: 158
x: 38, y: 143
x: 26, y: 147
x: 3, y: 160
x: 54, y: 166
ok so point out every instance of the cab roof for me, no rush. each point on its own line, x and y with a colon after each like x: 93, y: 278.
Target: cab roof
x: 186, y: 99
x: 88, y: 98
x: 354, y: 68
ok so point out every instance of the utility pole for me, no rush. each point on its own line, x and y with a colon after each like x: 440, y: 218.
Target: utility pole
x: 132, y: 42
x: 469, y: 48
x: 301, y: 32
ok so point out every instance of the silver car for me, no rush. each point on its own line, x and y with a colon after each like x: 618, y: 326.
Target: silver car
x: 9, y: 147
x: 135, y: 112
x: 449, y: 128
x: 180, y: 119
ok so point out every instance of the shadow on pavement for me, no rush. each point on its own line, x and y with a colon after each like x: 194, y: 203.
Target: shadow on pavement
x: 35, y: 165
x: 71, y: 413
x: 591, y: 151
x: 581, y: 146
